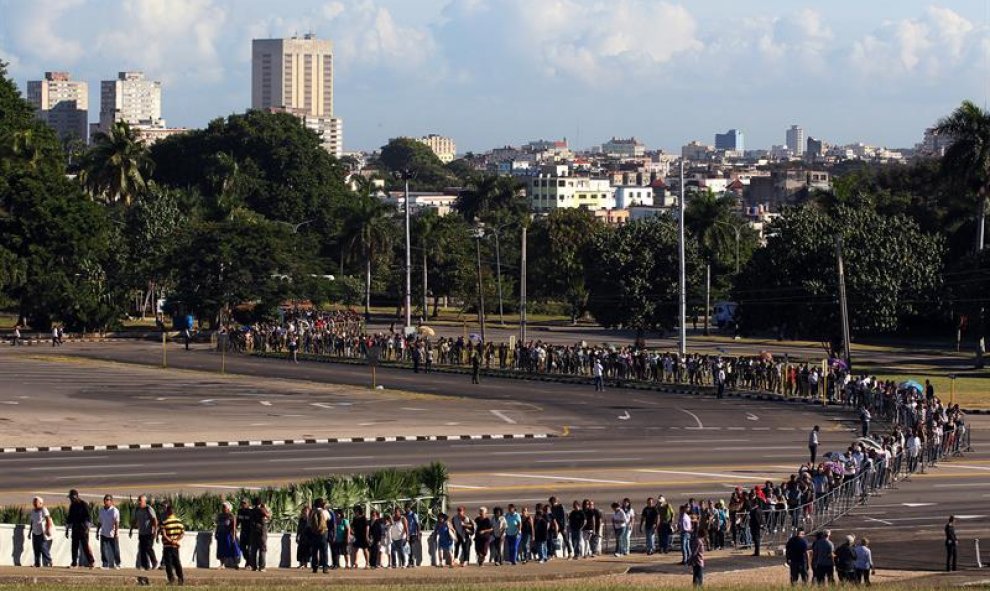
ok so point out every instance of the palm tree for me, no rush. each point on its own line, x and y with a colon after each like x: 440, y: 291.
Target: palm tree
x: 487, y: 195
x: 369, y: 231
x: 967, y: 160
x: 117, y: 166
x: 426, y: 235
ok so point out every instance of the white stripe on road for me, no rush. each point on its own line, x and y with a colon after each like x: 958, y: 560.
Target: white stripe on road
x: 574, y: 460
x: 694, y: 416
x: 748, y: 448
x: 707, y: 474
x: 53, y: 459
x: 568, y: 478
x: 500, y: 414
x: 883, y: 521
x: 966, y: 467
x: 966, y: 485
x: 706, y: 441
x: 125, y: 475
x: 467, y: 486
x: 318, y: 457
x: 57, y: 468
x: 530, y: 452
x: 321, y: 468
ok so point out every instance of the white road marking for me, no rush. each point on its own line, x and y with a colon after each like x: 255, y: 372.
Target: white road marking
x: 125, y: 475
x: 413, y: 409
x: 875, y: 520
x: 57, y: 468
x: 324, y: 405
x: 10, y: 402
x: 567, y: 478
x: 311, y: 459
x: 964, y: 485
x: 265, y: 403
x: 748, y: 448
x: 967, y: 467
x: 706, y: 440
x: 466, y: 486
x: 706, y: 474
x: 52, y: 459
x: 321, y: 468
x: 586, y: 460
x: 208, y: 401
x: 751, y: 417
x: 500, y: 414
x: 625, y: 416
x: 912, y: 505
x: 563, y: 451
x: 694, y: 416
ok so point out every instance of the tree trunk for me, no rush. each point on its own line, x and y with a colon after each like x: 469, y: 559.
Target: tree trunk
x: 426, y: 305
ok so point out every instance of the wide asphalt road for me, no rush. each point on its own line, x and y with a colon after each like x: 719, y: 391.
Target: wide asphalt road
x: 618, y: 443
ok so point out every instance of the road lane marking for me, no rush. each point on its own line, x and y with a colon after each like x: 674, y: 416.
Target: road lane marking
x: 500, y: 414
x: 377, y: 466
x: 265, y: 403
x: 467, y: 486
x: 563, y: 451
x: 124, y: 475
x: 574, y: 460
x: 705, y: 474
x: 318, y: 457
x: 875, y: 520
x: 963, y: 485
x: 567, y: 478
x: 694, y: 416
x: 751, y: 417
x: 53, y: 459
x: 55, y: 468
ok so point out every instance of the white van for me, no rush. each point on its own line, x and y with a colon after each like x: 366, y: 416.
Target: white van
x: 724, y: 314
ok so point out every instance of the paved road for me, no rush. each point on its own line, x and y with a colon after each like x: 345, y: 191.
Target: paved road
x: 619, y: 443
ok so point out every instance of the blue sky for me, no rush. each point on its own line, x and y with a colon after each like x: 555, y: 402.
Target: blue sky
x: 497, y: 72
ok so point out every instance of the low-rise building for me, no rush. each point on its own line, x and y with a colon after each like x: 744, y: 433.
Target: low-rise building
x: 633, y: 195
x: 624, y: 147
x: 441, y: 202
x: 443, y: 147
x: 549, y: 191
x: 785, y: 186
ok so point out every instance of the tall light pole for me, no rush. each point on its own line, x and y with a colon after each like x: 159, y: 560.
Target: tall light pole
x: 408, y: 303
x: 683, y: 290
x: 522, y: 290
x: 843, y: 304
x: 479, y: 233
x: 498, y: 274
x: 737, y: 228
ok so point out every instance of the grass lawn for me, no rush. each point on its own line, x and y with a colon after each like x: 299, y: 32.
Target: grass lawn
x: 972, y: 390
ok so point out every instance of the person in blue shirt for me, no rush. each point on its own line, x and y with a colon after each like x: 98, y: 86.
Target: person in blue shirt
x: 445, y: 542
x: 513, y: 526
x: 416, y: 548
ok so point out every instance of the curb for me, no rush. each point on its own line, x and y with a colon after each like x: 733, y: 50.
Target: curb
x: 275, y: 442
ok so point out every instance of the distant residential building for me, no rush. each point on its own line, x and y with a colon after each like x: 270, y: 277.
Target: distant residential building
x: 815, y: 149
x: 131, y: 98
x: 933, y: 144
x: 633, y: 195
x: 795, y: 140
x: 730, y: 141
x: 295, y: 75
x: 62, y: 103
x: 441, y: 202
x: 624, y: 148
x: 612, y: 217
x: 443, y: 147
x: 785, y: 186
x: 550, y: 190
x: 696, y: 151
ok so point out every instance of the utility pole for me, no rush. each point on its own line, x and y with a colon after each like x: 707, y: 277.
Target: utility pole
x: 408, y: 259
x: 498, y: 273
x: 708, y: 294
x: 522, y: 290
x: 479, y: 233
x: 683, y: 295
x: 843, y: 304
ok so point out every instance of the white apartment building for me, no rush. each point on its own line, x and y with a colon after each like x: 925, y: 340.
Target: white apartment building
x: 62, y: 103
x: 548, y: 191
x: 796, y: 140
x: 295, y: 76
x: 624, y: 148
x: 131, y: 98
x: 633, y: 195
x: 443, y: 147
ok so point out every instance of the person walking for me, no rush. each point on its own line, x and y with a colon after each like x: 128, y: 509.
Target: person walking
x: 109, y: 532
x: 813, y: 444
x: 172, y: 532
x: 598, y: 373
x: 244, y: 522
x: 228, y: 552
x: 445, y: 542
x: 77, y: 525
x: 482, y: 535
x: 476, y: 366
x: 41, y: 533
x: 845, y: 560
x: 319, y: 531
x: 823, y: 558
x: 951, y: 544
x: 146, y: 522
x: 796, y: 555
x: 864, y: 562
x: 696, y: 557
x: 864, y: 420
x: 575, y: 527
x: 649, y: 523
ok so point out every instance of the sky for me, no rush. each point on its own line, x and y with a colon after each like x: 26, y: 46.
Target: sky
x: 491, y: 73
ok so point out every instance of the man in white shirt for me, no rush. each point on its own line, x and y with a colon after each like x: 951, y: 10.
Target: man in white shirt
x: 599, y: 378
x: 109, y: 529
x: 41, y: 533
x: 813, y: 444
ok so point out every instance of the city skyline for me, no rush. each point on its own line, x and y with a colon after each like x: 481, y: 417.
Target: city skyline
x: 487, y: 77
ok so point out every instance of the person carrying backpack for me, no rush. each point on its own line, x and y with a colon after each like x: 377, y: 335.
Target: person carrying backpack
x: 261, y: 516
x: 319, y: 529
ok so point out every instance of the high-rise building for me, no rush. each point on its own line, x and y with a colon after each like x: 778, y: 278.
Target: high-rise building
x: 730, y: 141
x: 62, y: 103
x: 295, y: 75
x: 815, y: 149
x: 443, y: 147
x: 795, y: 140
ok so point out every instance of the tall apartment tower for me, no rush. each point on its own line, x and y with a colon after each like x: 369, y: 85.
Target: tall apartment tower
x: 795, y: 140
x: 732, y: 140
x: 295, y: 76
x: 62, y: 103
x: 131, y: 98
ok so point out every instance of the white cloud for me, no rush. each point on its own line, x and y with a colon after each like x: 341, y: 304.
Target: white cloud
x: 34, y: 35
x: 366, y: 35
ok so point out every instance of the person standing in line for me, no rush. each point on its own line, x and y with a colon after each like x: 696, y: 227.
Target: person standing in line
x: 476, y: 366
x: 864, y: 420
x: 261, y: 515
x: 172, y: 532
x: 398, y: 533
x: 755, y: 522
x: 415, y: 537
x: 482, y: 535
x: 666, y: 525
x: 342, y: 533
x: 627, y: 508
x: 845, y: 560
x: 696, y: 557
x: 109, y: 530
x: 376, y: 537
x: 319, y: 531
x: 864, y: 562
x: 463, y: 528
x: 620, y: 524
x: 16, y: 338
x: 362, y: 535
x: 41, y: 533
x: 796, y: 555
x: 499, y: 525
x: 598, y: 373
x: 304, y: 550
x: 77, y: 524
x: 244, y: 522
x: 813, y: 444
x: 597, y: 529
x: 575, y: 528
x: 146, y: 522
x: 951, y: 544
x: 560, y: 524
x: 686, y: 528
x: 648, y: 523
x: 720, y: 381
x: 823, y: 558
x: 513, y: 527
x: 228, y: 553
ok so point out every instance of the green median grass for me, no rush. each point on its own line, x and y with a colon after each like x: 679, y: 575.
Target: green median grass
x: 972, y: 390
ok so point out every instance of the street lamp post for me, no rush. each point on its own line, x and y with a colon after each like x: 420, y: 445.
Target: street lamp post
x: 408, y: 298
x: 479, y: 233
x: 683, y: 274
x: 498, y: 275
x: 737, y: 228
x: 522, y: 290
